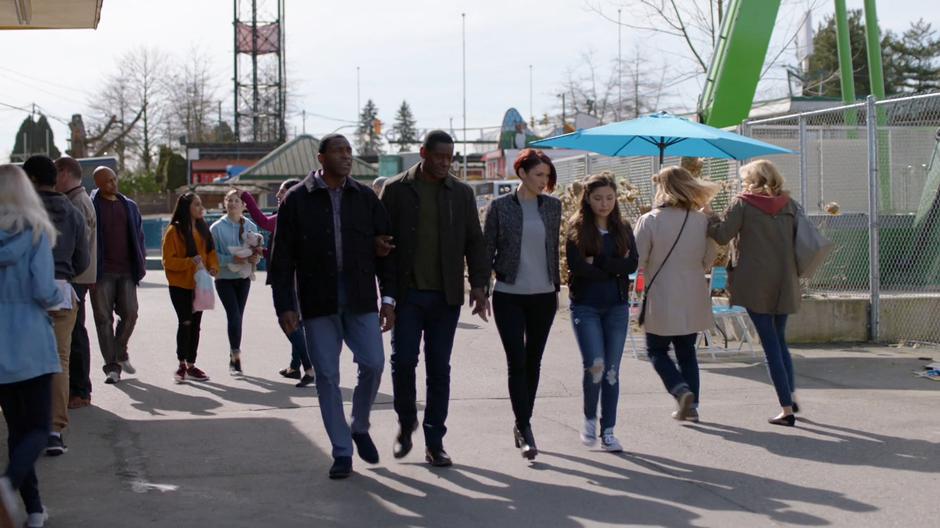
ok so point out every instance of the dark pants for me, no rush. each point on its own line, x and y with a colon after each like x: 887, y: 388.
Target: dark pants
x: 298, y: 350
x: 234, y: 296
x: 115, y: 293
x: 676, y: 380
x: 187, y: 332
x: 772, y: 329
x: 423, y: 313
x: 523, y: 322
x: 80, y: 354
x: 27, y: 409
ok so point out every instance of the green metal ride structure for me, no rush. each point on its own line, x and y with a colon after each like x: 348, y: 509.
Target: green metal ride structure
x: 728, y: 95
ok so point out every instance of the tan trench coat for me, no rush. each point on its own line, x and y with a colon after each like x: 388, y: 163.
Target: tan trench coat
x: 764, y: 277
x: 679, y: 302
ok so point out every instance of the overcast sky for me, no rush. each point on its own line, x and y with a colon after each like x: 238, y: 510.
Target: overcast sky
x: 408, y: 49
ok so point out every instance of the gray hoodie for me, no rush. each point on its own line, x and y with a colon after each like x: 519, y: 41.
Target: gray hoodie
x: 70, y: 253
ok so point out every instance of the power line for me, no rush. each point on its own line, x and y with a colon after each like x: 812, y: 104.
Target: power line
x: 44, y: 81
x: 34, y: 109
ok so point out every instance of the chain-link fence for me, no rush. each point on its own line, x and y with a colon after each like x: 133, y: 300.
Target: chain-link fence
x: 868, y: 174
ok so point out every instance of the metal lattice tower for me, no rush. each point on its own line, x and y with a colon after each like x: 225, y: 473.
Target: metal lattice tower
x: 259, y: 76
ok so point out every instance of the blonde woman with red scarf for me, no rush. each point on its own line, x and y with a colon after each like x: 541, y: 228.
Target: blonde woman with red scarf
x: 763, y: 275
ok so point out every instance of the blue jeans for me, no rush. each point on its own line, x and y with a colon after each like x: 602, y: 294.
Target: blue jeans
x: 234, y: 296
x: 325, y: 337
x: 601, y: 333
x: 772, y: 329
x: 423, y: 313
x: 676, y: 380
x: 27, y: 409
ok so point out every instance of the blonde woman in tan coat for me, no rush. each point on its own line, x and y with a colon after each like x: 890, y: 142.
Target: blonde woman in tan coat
x: 763, y: 278
x: 674, y: 253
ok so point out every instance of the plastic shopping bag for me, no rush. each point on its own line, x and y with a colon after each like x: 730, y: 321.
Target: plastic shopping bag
x: 204, y: 296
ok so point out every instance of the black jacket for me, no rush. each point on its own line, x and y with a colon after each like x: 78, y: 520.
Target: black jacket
x: 303, y: 260
x: 460, y: 233
x: 71, y: 247
x: 604, y: 268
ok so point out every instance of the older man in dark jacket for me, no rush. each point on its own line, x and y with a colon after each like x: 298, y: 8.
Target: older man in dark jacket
x: 71, y: 258
x: 324, y: 259
x: 435, y: 229
x: 122, y: 264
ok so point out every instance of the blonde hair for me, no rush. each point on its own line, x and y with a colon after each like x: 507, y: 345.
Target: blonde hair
x: 762, y: 177
x: 20, y: 206
x: 675, y: 186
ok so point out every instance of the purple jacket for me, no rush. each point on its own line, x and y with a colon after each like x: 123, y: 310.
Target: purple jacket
x: 135, y: 226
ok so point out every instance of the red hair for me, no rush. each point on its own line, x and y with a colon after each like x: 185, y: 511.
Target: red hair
x: 530, y: 158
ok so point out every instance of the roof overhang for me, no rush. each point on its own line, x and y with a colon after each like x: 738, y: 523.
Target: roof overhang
x: 50, y: 14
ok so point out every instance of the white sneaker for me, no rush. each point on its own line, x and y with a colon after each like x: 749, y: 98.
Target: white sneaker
x: 127, y: 367
x: 113, y: 377
x: 610, y: 443
x: 9, y: 505
x: 37, y: 520
x: 589, y: 433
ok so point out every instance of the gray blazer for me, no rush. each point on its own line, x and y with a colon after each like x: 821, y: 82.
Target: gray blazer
x: 503, y: 234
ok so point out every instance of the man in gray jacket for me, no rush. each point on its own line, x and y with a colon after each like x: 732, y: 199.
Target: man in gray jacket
x: 69, y: 183
x: 70, y: 255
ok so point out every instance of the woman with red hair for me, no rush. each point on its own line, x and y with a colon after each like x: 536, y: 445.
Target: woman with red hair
x: 522, y: 232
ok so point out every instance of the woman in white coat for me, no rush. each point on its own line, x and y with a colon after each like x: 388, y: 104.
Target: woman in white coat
x: 674, y: 252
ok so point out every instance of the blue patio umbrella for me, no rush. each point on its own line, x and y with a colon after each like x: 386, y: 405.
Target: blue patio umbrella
x: 660, y: 134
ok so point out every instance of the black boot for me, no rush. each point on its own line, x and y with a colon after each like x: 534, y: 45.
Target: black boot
x: 529, y: 449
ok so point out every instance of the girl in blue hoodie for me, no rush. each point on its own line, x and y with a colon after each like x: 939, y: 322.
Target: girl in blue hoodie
x: 228, y: 232
x: 28, y: 357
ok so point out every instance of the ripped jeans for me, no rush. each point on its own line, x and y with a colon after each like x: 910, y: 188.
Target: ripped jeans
x: 601, y: 333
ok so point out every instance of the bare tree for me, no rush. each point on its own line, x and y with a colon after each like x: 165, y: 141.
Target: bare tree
x: 114, y: 116
x: 191, y: 89
x: 142, y: 68
x: 697, y: 24
x: 590, y: 90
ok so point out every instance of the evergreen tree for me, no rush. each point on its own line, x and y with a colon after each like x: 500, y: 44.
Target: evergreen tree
x: 823, y: 74
x: 34, y: 137
x: 918, y: 58
x: 404, y: 127
x: 368, y: 135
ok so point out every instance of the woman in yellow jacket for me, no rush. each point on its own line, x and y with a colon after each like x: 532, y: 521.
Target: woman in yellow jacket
x: 187, y: 247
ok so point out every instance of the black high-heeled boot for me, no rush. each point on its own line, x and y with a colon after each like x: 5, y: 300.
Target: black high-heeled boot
x: 517, y: 437
x: 529, y: 449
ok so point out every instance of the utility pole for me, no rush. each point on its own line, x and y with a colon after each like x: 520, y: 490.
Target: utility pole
x: 531, y: 113
x: 358, y: 100
x: 463, y: 28
x: 303, y: 114
x: 619, y: 68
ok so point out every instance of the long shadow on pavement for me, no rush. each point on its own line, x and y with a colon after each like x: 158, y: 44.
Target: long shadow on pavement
x: 857, y: 373
x: 734, y: 490
x: 843, y: 446
x: 231, y: 472
x: 490, y: 498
